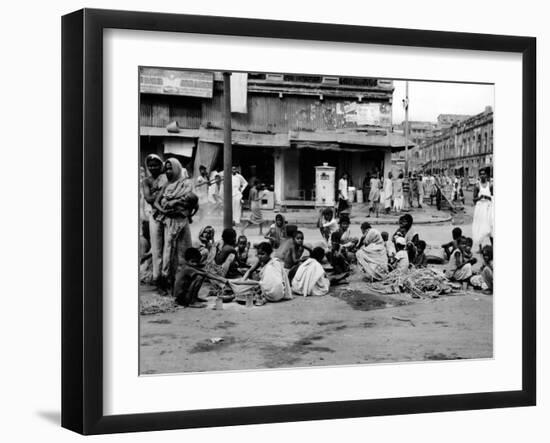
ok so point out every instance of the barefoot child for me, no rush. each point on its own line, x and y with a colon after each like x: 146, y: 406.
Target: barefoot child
x: 277, y: 232
x: 421, y: 261
x: 452, y: 245
x: 327, y: 223
x: 189, y: 280
x: 460, y: 268
x: 243, y: 246
x: 487, y: 268
x: 337, y: 256
x: 390, y: 246
x: 401, y: 262
x: 274, y: 282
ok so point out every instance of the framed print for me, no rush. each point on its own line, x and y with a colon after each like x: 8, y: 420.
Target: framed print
x: 270, y: 221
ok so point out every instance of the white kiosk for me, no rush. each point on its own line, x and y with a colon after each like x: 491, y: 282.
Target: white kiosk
x: 324, y: 185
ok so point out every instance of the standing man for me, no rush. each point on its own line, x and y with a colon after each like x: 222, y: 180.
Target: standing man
x: 388, y: 192
x: 201, y: 190
x: 151, y: 186
x: 343, y: 197
x: 366, y: 187
x: 239, y: 184
x: 421, y: 190
x: 407, y: 191
x: 414, y: 191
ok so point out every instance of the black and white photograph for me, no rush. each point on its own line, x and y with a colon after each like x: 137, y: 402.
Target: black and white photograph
x: 293, y: 220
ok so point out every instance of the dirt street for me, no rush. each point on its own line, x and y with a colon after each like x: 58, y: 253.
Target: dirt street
x: 348, y: 328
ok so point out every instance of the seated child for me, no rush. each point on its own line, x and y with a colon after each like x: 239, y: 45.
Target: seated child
x: 460, y: 268
x: 487, y: 268
x: 327, y: 224
x: 401, y: 262
x: 274, y: 283
x: 295, y: 251
x: 420, y: 261
x: 452, y: 245
x: 243, y: 246
x: 348, y: 241
x: 206, y: 244
x: 189, y: 280
x: 390, y: 246
x: 310, y: 278
x: 277, y: 231
x: 336, y: 256
x: 468, y: 254
x: 226, y: 254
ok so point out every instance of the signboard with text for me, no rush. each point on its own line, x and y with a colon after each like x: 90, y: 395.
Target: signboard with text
x: 174, y: 82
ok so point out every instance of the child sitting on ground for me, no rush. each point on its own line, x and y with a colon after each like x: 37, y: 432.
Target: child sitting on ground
x: 225, y: 263
x: 348, y: 241
x: 296, y: 251
x: 420, y: 261
x: 277, y: 232
x: 401, y: 262
x: 390, y: 246
x: 243, y: 246
x: 310, y: 278
x: 452, y: 245
x: 460, y: 268
x: 487, y: 268
x: 337, y: 256
x: 189, y: 280
x: 273, y: 279
x: 327, y: 224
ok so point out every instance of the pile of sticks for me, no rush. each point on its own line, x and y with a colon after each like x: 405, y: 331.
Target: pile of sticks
x: 418, y: 283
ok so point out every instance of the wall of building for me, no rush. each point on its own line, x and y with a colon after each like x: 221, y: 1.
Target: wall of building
x: 462, y: 149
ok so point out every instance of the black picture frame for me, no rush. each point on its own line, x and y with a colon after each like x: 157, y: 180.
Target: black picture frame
x: 82, y: 220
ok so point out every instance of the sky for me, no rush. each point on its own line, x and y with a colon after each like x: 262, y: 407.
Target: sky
x: 429, y: 99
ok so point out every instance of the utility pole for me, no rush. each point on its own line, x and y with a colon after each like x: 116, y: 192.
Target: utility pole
x: 227, y: 154
x: 406, y: 106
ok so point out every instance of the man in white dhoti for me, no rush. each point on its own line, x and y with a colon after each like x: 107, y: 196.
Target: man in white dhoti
x: 482, y: 225
x: 388, y: 192
x: 238, y: 185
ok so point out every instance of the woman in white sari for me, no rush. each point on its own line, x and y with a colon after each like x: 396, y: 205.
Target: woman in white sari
x: 310, y: 278
x: 371, y: 256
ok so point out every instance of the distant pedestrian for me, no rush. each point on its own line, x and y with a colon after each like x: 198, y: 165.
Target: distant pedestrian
x: 388, y: 192
x: 374, y: 194
x: 255, y: 197
x: 482, y: 226
x: 343, y: 194
x: 238, y: 184
x: 201, y: 191
x: 366, y: 186
x: 398, y: 193
x: 407, y: 191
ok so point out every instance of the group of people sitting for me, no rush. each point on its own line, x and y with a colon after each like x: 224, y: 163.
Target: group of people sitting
x: 283, y: 265
x: 461, y: 261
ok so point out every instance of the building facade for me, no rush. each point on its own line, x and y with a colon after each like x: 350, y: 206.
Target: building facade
x: 283, y: 125
x: 461, y: 149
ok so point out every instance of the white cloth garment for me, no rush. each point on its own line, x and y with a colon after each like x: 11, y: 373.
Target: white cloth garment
x: 238, y: 184
x: 310, y: 279
x: 343, y: 188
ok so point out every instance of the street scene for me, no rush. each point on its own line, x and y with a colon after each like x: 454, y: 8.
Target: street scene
x: 355, y: 225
